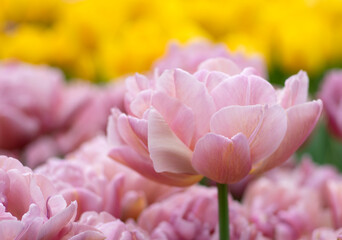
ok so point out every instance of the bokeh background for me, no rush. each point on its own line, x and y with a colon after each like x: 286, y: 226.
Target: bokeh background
x: 102, y: 40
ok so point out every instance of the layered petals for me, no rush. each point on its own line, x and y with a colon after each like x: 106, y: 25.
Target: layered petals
x: 304, y: 115
x: 264, y: 126
x: 223, y: 122
x: 222, y: 159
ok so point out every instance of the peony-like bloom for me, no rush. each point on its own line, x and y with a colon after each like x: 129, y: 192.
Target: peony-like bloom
x: 331, y: 94
x: 192, y: 215
x: 98, y: 183
x: 291, y: 203
x: 30, y: 207
x: 222, y: 122
x: 29, y: 96
x: 41, y: 116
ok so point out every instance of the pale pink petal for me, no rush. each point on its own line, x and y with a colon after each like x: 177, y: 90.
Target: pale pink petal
x: 112, y: 201
x: 243, y: 90
x: 295, y: 90
x: 136, y: 83
x: 10, y: 229
x: 221, y: 159
x: 167, y: 151
x: 302, y: 119
x: 144, y: 166
x: 55, y: 204
x: 54, y: 225
x: 113, y: 135
x: 224, y: 65
x: 195, y: 95
x: 264, y: 126
x: 165, y: 83
x: 179, y: 117
x: 129, y: 136
x: 141, y: 103
x: 139, y: 126
x: 210, y: 79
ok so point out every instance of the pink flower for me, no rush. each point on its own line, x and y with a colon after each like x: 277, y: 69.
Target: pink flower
x: 29, y: 96
x: 214, y: 123
x: 192, y: 215
x: 31, y: 209
x: 291, y: 203
x: 97, y: 183
x: 331, y: 94
x: 190, y: 56
x: 41, y: 116
x: 82, y: 115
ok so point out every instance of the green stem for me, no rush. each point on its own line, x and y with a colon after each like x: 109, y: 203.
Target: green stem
x: 223, y: 211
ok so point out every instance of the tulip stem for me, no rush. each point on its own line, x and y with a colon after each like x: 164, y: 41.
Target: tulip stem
x: 223, y: 211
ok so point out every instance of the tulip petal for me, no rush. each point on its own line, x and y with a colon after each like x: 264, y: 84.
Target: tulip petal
x: 195, y: 95
x: 301, y: 121
x: 165, y: 83
x: 179, y: 117
x: 264, y: 126
x: 167, y: 151
x: 10, y: 229
x: 221, y: 159
x: 243, y: 90
x: 129, y: 135
x: 54, y: 225
x: 210, y: 79
x: 220, y: 65
x: 144, y: 166
x: 141, y: 103
x: 136, y: 83
x: 295, y: 90
x: 113, y: 136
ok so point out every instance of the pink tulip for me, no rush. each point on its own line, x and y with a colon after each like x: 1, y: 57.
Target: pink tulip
x: 97, y: 183
x: 41, y: 116
x: 290, y: 203
x: 190, y: 56
x: 192, y: 215
x: 30, y: 207
x: 29, y: 95
x: 331, y: 94
x: 82, y: 115
x: 218, y: 123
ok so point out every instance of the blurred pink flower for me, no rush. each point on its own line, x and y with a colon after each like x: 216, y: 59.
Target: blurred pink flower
x: 41, y: 116
x: 29, y: 97
x: 217, y: 123
x: 190, y: 56
x: 98, y: 183
x: 331, y: 95
x: 290, y: 203
x: 31, y: 209
x: 192, y: 215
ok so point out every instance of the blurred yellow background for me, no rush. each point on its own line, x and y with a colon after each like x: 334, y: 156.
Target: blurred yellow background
x: 100, y: 40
